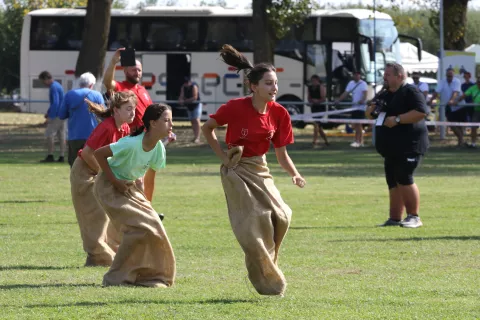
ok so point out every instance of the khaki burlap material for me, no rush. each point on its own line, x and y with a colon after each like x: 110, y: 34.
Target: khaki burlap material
x: 100, y: 238
x: 145, y: 256
x: 259, y: 218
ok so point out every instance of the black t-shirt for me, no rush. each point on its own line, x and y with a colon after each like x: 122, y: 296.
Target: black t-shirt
x: 403, y: 138
x: 314, y: 92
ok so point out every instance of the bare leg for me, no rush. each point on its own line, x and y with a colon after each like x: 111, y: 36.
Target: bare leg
x: 396, y: 204
x: 316, y: 129
x: 196, y: 130
x: 358, y: 133
x: 411, y: 198
x: 323, y: 135
x: 474, y: 135
x: 458, y: 131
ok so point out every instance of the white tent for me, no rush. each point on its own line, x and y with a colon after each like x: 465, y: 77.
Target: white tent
x: 410, y: 61
x: 475, y: 48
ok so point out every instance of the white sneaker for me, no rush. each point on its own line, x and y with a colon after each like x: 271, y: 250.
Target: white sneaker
x: 411, y: 221
x: 355, y: 144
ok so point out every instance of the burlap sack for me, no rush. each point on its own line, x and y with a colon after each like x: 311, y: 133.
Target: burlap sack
x: 100, y: 238
x: 145, y: 256
x: 259, y: 218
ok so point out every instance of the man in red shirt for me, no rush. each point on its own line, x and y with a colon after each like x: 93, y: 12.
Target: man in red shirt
x: 133, y: 75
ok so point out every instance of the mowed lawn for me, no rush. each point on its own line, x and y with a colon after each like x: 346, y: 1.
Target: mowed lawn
x: 337, y: 263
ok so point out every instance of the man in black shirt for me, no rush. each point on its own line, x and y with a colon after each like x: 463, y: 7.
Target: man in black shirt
x: 401, y: 139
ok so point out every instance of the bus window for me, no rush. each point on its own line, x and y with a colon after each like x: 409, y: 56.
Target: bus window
x: 234, y: 31
x: 56, y: 33
x: 44, y: 33
x: 293, y: 44
x: 174, y: 34
x: 125, y: 32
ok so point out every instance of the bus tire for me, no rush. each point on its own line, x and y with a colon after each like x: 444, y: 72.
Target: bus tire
x: 293, y: 109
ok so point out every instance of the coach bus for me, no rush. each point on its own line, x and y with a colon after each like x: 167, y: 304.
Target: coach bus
x: 174, y: 42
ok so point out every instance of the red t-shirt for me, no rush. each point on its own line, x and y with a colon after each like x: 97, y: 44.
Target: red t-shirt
x: 253, y: 130
x: 106, y: 133
x: 143, y: 100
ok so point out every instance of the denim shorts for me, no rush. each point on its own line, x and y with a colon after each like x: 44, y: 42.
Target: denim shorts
x: 195, y: 113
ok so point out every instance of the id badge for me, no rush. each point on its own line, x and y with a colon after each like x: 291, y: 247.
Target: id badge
x: 380, y: 119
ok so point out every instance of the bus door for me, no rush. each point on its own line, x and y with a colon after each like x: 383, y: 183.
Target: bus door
x: 314, y: 63
x: 178, y: 68
x: 154, y: 77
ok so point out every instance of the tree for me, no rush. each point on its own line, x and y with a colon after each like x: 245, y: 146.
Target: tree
x: 272, y: 20
x: 91, y: 57
x: 119, y: 4
x: 454, y: 18
x: 455, y: 22
x: 216, y: 3
x: 146, y: 3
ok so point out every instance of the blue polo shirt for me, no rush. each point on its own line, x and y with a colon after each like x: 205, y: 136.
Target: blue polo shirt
x: 81, y: 122
x: 56, y: 98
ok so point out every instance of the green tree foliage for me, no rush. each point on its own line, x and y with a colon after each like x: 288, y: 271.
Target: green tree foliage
x: 11, y: 23
x: 272, y: 20
x: 216, y: 3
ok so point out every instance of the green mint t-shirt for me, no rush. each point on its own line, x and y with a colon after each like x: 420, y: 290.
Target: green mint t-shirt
x: 130, y: 161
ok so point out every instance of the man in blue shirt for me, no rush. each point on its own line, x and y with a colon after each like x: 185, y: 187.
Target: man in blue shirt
x: 81, y: 121
x: 55, y: 126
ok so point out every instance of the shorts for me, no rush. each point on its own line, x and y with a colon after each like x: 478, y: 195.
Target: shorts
x: 195, y: 113
x: 56, y: 126
x: 400, y: 169
x: 476, y: 116
x: 456, y: 116
x: 470, y: 112
x: 358, y: 114
x: 318, y: 108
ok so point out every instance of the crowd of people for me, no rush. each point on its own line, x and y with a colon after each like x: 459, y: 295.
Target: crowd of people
x: 114, y: 164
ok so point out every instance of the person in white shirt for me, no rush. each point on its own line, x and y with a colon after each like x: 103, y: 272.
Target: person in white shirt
x: 449, y: 90
x: 421, y: 86
x: 358, y: 89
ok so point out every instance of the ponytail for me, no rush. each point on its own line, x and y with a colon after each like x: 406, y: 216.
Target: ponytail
x: 98, y: 109
x: 138, y: 131
x: 233, y: 58
x: 116, y: 101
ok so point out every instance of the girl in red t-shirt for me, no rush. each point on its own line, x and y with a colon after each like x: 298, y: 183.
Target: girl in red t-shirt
x: 258, y: 215
x: 99, y: 236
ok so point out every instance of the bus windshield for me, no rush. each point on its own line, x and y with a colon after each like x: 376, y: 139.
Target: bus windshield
x: 387, y: 47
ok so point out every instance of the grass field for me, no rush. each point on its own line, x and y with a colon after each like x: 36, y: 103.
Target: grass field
x: 337, y: 263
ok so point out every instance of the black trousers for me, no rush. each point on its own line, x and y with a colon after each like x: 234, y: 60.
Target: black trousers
x: 73, y: 147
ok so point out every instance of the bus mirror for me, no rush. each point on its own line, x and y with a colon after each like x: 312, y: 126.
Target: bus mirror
x: 369, y: 42
x: 418, y: 44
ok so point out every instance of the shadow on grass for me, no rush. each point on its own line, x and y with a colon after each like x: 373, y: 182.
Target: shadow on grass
x: 23, y: 201
x: 330, y: 227
x: 53, y: 285
x: 144, y: 302
x: 461, y: 238
x: 26, y: 267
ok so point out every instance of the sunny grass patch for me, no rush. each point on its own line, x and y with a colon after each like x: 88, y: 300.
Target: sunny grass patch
x: 337, y: 264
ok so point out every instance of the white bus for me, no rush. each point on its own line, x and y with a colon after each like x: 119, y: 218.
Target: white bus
x: 175, y: 42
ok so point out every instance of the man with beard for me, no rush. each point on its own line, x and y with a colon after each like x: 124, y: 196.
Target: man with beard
x: 133, y: 75
x: 401, y: 138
